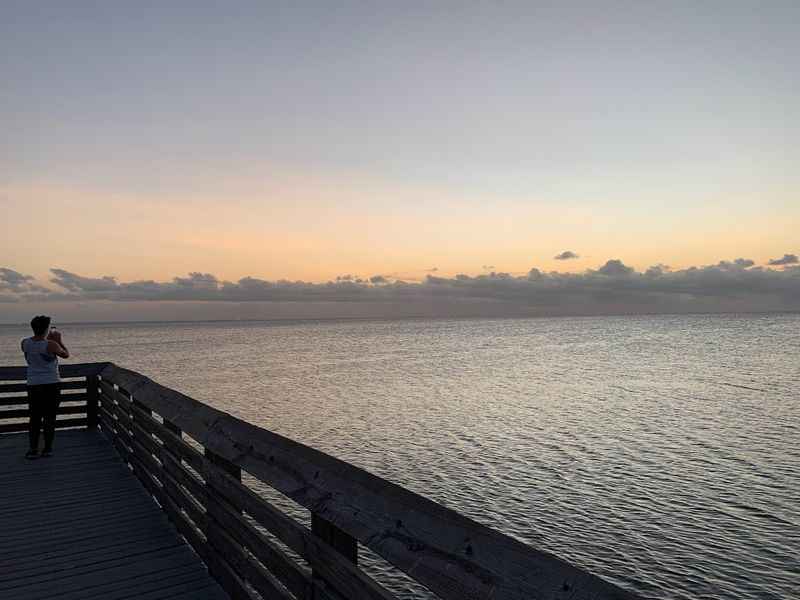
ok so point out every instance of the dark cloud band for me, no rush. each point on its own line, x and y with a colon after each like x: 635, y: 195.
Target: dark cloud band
x: 612, y: 284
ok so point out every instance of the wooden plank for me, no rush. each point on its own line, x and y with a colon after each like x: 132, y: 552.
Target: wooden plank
x: 85, y: 541
x: 72, y: 439
x: 170, y: 508
x: 296, y: 578
x: 242, y: 565
x: 107, y: 388
x: 188, y: 590
x: 54, y: 557
x: 172, y: 442
x: 157, y: 584
x: 23, y: 413
x: 7, y: 388
x: 63, y: 565
x: 10, y: 538
x: 18, y: 399
x: 449, y: 553
x: 45, y: 548
x: 67, y: 517
x: 14, y: 400
x: 91, y: 576
x: 73, y: 370
x: 231, y: 469
x: 346, y: 545
x: 60, y: 502
x: 333, y: 567
x: 230, y: 582
x: 60, y: 424
x: 71, y: 473
x: 18, y: 540
x: 92, y: 393
x: 172, y: 427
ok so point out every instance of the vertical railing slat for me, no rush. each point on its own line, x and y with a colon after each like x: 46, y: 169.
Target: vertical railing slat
x: 91, y: 401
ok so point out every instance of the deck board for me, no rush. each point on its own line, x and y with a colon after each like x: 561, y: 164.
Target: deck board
x: 80, y: 525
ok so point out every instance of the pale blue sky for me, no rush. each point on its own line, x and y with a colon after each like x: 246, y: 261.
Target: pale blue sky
x: 455, y: 92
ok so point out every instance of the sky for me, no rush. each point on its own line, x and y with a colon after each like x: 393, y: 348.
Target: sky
x: 415, y: 142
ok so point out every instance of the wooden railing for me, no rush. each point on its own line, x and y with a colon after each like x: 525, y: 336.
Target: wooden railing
x: 191, y: 456
x: 78, y: 397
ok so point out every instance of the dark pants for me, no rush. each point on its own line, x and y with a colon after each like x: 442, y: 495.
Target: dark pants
x: 43, y: 403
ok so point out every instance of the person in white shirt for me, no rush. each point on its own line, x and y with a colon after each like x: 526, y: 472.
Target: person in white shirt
x: 44, y: 389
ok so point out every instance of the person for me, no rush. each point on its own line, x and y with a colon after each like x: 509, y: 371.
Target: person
x: 44, y: 391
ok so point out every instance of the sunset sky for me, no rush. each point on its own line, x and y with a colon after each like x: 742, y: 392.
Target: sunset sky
x: 306, y: 141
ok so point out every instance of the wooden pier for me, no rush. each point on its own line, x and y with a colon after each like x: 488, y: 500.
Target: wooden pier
x: 144, y: 498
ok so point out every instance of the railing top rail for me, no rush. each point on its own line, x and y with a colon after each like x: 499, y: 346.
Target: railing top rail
x: 451, y: 554
x: 71, y: 370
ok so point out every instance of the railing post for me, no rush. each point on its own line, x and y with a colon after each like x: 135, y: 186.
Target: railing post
x: 224, y: 464
x: 343, y: 543
x: 215, y: 532
x: 91, y: 401
x: 173, y: 428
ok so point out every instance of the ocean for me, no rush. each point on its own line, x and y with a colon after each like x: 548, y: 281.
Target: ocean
x: 659, y: 452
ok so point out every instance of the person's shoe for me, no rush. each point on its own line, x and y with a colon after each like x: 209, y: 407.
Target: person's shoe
x: 47, y: 453
x: 31, y: 454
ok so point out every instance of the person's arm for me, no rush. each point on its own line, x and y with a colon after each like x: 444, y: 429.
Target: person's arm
x: 55, y: 345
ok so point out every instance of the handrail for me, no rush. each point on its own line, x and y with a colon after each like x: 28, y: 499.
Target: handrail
x: 447, y: 552
x: 19, y: 373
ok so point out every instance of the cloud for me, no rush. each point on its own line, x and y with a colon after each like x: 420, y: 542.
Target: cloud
x: 76, y: 283
x: 17, y: 283
x: 566, y: 255
x: 739, y: 263
x: 610, y: 288
x: 788, y: 259
x: 615, y: 268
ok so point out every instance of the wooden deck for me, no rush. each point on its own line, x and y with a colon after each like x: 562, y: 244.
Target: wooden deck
x: 80, y: 525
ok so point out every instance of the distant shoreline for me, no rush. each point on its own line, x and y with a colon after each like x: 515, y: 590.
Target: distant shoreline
x: 284, y: 320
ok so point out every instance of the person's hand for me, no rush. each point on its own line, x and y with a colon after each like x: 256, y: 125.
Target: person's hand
x: 54, y: 335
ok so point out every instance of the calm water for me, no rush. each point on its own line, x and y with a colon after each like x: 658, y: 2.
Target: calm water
x: 662, y: 453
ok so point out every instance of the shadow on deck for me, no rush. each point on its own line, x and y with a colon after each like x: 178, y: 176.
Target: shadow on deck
x: 80, y: 525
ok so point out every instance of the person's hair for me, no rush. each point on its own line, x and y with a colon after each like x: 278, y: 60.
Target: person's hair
x: 39, y: 324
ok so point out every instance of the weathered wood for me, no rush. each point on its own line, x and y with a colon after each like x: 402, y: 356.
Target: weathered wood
x: 172, y: 427
x: 177, y: 446
x: 296, y: 578
x: 23, y: 413
x: 344, y: 544
x: 92, y: 393
x: 451, y: 554
x: 334, y: 567
x: 15, y: 400
x: 60, y: 424
x: 226, y: 542
x: 8, y: 388
x: 76, y: 370
x: 243, y: 565
x: 231, y: 469
x: 148, y: 451
x: 76, y: 527
x: 107, y: 388
x: 171, y: 496
x: 291, y: 574
x: 143, y: 407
